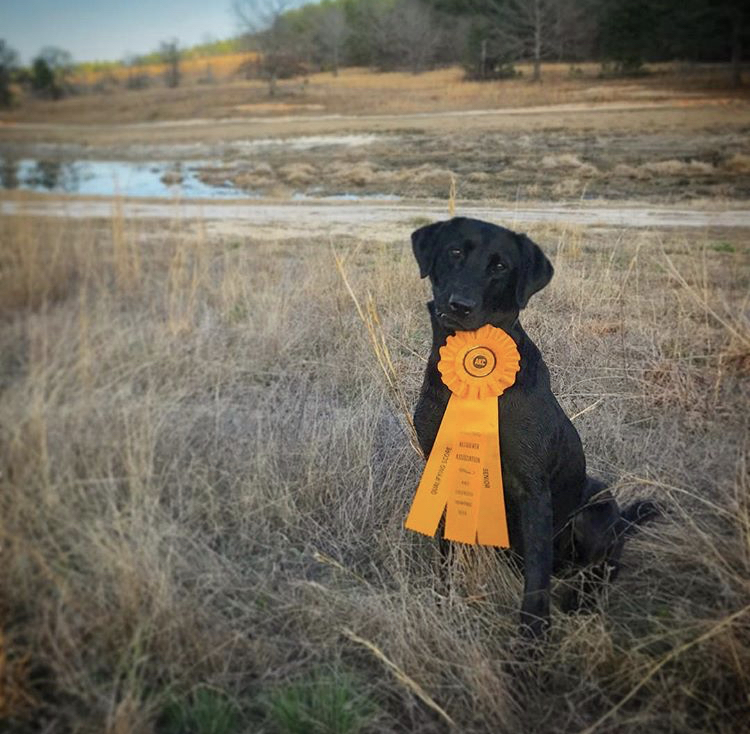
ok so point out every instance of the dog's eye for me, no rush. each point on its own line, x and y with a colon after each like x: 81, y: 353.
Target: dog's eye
x: 455, y: 253
x: 497, y: 266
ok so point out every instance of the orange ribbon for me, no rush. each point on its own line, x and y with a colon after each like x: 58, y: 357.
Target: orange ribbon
x: 463, y: 472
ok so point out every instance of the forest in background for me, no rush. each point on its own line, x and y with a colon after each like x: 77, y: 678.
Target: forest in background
x: 488, y: 38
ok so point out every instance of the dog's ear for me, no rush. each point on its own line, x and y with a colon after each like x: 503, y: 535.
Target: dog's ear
x: 423, y: 244
x: 534, y: 272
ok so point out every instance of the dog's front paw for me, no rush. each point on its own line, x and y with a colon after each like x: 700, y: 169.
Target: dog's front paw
x: 533, y: 628
x: 528, y: 645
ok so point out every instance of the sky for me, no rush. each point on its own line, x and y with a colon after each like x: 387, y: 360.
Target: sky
x: 108, y: 30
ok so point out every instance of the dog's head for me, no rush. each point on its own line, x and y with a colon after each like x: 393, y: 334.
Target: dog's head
x: 480, y: 273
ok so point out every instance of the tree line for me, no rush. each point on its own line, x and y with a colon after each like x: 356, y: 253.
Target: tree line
x: 488, y: 37
x: 51, y: 72
x: 47, y: 76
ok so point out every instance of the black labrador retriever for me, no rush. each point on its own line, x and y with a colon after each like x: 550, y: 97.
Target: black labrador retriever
x: 558, y: 517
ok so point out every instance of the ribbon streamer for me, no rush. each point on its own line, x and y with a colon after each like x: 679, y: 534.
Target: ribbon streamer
x: 463, y: 476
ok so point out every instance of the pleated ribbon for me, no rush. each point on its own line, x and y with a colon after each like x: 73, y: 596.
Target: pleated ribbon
x: 463, y: 476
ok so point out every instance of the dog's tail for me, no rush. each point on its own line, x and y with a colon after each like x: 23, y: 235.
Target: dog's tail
x: 636, y: 514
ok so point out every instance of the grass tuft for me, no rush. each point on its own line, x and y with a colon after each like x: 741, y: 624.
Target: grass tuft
x: 204, y: 711
x: 324, y: 703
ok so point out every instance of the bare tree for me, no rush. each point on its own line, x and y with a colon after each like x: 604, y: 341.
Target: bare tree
x: 137, y: 77
x: 529, y: 26
x: 573, y: 30
x: 406, y: 35
x: 331, y: 34
x: 521, y: 29
x: 169, y: 52
x: 267, y: 31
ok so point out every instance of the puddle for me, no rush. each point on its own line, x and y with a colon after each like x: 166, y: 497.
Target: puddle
x: 159, y: 179
x: 112, y: 178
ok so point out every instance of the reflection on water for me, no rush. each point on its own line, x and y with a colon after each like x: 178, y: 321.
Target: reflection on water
x: 109, y: 178
x: 48, y: 175
x: 158, y: 179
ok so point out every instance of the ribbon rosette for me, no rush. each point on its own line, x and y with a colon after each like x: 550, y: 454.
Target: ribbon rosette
x: 463, y: 472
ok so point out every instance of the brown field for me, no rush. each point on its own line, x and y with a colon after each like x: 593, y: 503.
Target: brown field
x: 196, y: 70
x: 204, y: 472
x: 361, y: 91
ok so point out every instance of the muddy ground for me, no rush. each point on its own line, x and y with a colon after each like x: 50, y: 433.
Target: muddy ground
x: 548, y: 164
x: 655, y: 141
x: 665, y: 155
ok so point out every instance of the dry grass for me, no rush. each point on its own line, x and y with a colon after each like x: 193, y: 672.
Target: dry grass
x: 362, y: 91
x: 222, y: 67
x: 204, y: 484
x: 622, y: 166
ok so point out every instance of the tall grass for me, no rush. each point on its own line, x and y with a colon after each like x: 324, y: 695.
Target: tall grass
x: 204, y: 481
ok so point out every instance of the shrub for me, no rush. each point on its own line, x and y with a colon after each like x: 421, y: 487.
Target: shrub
x: 204, y: 711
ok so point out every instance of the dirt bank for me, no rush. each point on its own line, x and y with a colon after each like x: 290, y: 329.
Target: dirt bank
x: 374, y: 220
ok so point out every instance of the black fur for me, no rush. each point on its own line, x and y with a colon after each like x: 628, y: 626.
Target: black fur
x: 558, y: 517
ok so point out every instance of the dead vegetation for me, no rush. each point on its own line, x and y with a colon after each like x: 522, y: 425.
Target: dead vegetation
x: 533, y: 165
x: 364, y: 91
x: 204, y: 482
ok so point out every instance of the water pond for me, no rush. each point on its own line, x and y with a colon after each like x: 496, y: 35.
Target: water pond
x: 157, y: 179
x: 112, y: 178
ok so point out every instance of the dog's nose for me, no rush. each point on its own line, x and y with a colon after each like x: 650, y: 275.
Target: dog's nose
x: 461, y: 305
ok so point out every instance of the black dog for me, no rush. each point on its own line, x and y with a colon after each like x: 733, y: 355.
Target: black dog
x: 557, y: 516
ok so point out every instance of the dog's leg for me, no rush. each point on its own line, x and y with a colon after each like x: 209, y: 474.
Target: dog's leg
x: 597, y: 542
x: 599, y: 532
x: 536, y: 526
